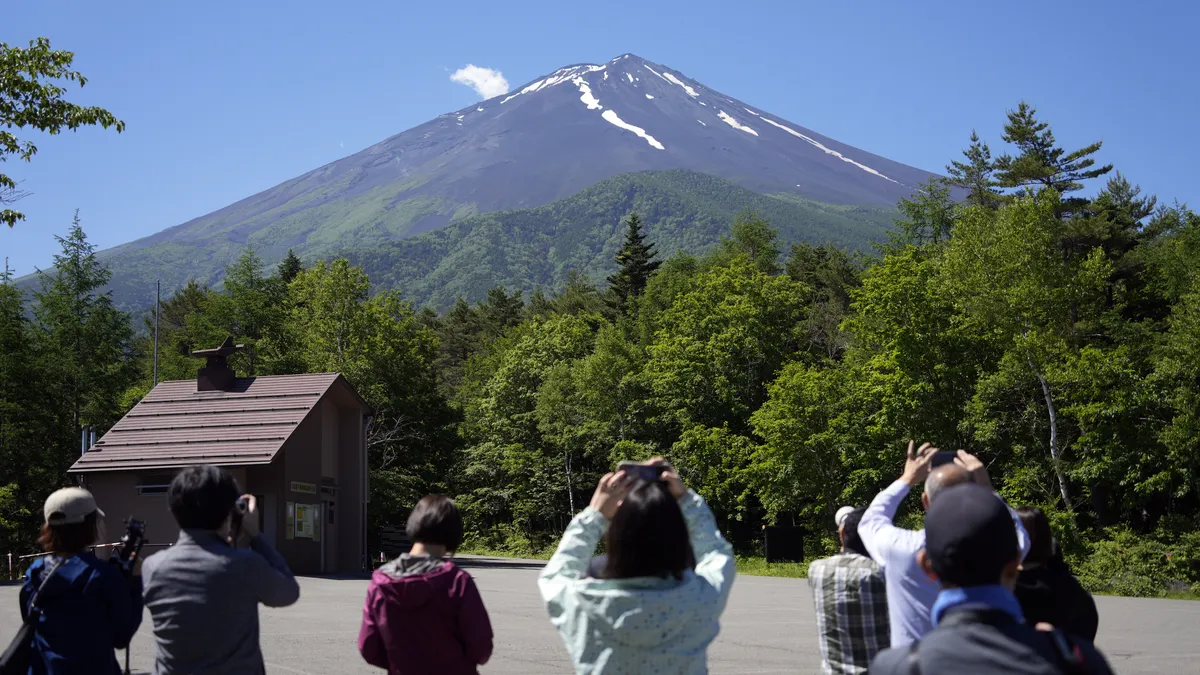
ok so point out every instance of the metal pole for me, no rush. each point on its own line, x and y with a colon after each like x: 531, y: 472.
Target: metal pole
x: 157, y: 301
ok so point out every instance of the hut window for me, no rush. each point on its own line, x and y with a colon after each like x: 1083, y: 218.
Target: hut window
x: 153, y: 486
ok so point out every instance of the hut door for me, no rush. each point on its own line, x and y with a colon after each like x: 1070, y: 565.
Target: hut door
x: 269, y: 519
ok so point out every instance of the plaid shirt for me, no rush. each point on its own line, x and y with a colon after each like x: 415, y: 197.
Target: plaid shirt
x: 852, y: 615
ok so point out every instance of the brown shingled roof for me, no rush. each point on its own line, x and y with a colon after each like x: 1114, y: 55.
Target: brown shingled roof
x: 175, y: 425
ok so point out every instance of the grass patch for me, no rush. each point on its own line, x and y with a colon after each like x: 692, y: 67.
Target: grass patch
x: 469, y: 548
x: 756, y: 566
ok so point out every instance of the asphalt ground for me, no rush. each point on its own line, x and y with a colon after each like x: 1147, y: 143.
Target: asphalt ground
x: 768, y: 627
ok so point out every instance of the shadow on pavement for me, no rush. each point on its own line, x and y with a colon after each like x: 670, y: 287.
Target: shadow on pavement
x: 468, y: 562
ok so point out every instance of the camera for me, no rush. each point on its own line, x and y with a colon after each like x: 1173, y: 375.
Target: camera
x: 236, y: 515
x: 132, y: 541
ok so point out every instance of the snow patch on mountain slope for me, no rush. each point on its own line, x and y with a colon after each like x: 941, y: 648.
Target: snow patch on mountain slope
x: 649, y: 97
x: 558, y: 77
x: 655, y: 72
x: 752, y: 112
x: 615, y: 120
x: 630, y: 78
x: 610, y: 116
x: 728, y: 119
x: 828, y: 151
x: 585, y: 94
x: 702, y: 123
x: 674, y: 80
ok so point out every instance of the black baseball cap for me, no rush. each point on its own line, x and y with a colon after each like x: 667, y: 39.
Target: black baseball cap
x: 969, y: 536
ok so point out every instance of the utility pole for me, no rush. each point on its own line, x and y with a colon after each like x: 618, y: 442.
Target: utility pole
x: 157, y: 302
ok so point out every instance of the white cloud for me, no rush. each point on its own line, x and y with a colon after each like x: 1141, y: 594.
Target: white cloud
x: 485, y: 81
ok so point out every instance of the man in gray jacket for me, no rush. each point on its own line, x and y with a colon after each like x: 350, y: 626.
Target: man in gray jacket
x: 203, y: 592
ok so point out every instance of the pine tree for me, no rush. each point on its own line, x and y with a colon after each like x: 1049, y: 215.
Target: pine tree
x: 500, y: 311
x: 289, y: 267
x: 24, y: 416
x: 460, y: 336
x: 1040, y: 161
x: 82, y: 341
x: 975, y: 175
x: 635, y: 263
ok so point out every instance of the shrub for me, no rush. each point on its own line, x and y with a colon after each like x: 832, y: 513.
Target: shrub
x: 1126, y: 563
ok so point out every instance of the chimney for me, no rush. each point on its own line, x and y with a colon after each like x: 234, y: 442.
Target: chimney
x: 216, y: 375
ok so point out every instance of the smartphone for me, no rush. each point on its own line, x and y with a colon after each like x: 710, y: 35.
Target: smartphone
x: 644, y: 472
x: 943, y: 457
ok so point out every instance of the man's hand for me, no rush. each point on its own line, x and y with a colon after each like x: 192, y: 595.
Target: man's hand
x: 250, y: 517
x: 975, y: 467
x: 916, y: 464
x: 609, y: 493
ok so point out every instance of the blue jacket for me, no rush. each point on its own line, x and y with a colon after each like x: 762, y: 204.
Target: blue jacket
x: 639, y: 625
x: 89, y: 610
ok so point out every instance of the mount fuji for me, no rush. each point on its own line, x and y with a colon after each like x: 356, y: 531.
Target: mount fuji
x: 541, y: 142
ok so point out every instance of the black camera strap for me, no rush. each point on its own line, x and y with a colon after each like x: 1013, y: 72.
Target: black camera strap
x: 15, y: 658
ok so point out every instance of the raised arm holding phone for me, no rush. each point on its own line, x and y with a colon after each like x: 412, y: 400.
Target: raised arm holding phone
x: 656, y: 604
x: 910, y: 592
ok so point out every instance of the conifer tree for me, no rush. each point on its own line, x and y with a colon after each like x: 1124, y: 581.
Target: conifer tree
x: 82, y: 341
x: 500, y: 311
x: 636, y: 262
x: 289, y: 267
x: 1040, y: 161
x: 975, y: 174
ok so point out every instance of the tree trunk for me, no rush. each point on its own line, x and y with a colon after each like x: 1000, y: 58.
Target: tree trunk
x: 1055, y: 451
x: 570, y: 487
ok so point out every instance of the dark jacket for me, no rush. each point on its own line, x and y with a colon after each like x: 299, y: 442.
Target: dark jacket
x: 89, y: 609
x: 978, y: 640
x: 203, y: 596
x: 1052, y: 594
x: 425, y: 622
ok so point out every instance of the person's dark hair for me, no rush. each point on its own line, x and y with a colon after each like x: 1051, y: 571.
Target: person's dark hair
x: 850, y: 539
x: 69, y: 539
x: 648, y: 536
x: 202, y: 497
x: 1041, y: 538
x: 435, y: 520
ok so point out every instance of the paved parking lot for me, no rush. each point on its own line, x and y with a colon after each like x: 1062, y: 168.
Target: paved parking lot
x: 767, y: 628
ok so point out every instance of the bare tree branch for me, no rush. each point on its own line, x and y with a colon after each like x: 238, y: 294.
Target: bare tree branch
x: 389, y: 433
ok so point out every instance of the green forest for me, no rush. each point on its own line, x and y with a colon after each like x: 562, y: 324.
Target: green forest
x: 1053, y: 334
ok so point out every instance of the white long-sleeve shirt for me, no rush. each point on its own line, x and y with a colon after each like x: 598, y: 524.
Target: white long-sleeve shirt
x: 910, y: 593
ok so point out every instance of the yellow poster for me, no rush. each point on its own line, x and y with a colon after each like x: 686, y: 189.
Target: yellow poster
x: 304, y: 521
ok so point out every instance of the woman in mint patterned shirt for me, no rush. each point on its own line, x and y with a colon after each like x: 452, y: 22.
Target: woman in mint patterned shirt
x: 656, y: 605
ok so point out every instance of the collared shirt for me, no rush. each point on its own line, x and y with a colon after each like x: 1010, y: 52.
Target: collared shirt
x: 910, y: 592
x: 852, y: 617
x: 203, y: 596
x: 994, y: 596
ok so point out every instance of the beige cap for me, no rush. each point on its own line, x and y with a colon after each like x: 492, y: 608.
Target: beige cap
x: 69, y: 506
x: 840, y: 516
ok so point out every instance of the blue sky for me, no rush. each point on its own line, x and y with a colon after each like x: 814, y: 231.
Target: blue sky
x: 224, y: 99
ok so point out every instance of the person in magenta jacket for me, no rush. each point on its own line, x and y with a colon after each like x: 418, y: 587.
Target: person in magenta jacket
x: 423, y: 614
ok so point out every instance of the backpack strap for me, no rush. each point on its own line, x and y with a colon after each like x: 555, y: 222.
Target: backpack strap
x: 48, y: 570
